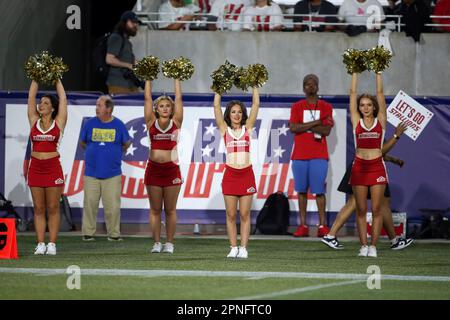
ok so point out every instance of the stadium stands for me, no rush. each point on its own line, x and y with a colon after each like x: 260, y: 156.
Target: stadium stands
x: 148, y: 10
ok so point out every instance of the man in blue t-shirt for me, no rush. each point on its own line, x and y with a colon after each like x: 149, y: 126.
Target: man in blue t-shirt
x: 105, y: 138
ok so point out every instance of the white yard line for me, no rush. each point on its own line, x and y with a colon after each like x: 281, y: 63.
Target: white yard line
x: 270, y: 295
x: 236, y: 274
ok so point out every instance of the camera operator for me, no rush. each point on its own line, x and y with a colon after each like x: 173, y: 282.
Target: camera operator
x: 120, y: 56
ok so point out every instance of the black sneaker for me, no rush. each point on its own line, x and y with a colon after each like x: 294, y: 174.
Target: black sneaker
x: 332, y: 242
x: 115, y: 239
x: 401, y: 243
x: 88, y: 238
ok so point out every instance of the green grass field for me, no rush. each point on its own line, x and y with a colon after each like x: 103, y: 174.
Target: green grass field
x: 276, y: 269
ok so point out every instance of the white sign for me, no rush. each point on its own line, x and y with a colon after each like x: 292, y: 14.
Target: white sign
x: 407, y: 110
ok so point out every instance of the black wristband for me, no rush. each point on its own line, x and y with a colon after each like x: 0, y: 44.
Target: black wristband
x: 396, y: 137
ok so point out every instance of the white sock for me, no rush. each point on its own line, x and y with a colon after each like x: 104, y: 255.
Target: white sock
x: 394, y: 240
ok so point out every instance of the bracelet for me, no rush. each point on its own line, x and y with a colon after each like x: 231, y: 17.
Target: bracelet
x: 396, y: 137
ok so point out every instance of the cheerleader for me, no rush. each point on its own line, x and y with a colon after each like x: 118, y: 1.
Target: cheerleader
x: 238, y: 184
x: 163, y: 119
x: 45, y: 176
x: 368, y: 117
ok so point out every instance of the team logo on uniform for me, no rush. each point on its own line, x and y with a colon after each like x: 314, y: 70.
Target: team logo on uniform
x: 59, y: 181
x: 381, y: 179
x: 176, y: 181
x: 251, y: 190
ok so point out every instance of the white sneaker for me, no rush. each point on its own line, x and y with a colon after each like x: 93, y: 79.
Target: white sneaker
x: 372, y: 252
x: 51, y: 249
x: 40, y: 248
x: 233, y: 252
x: 243, y: 254
x: 363, y: 251
x: 168, y: 247
x: 157, y: 247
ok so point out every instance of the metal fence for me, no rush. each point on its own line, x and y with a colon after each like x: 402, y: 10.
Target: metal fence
x: 200, y: 21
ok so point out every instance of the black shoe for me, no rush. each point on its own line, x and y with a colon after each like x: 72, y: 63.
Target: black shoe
x: 401, y: 243
x: 332, y: 243
x: 88, y: 238
x: 115, y: 239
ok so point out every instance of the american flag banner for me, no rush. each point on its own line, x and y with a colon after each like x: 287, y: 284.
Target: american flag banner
x: 201, y: 152
x: 277, y: 161
x: 201, y: 157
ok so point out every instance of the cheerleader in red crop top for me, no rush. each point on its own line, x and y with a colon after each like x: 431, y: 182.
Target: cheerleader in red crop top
x: 45, y: 176
x: 45, y: 172
x: 238, y: 178
x: 368, y: 172
x: 167, y: 173
x: 163, y: 180
x: 368, y: 116
x: 238, y: 183
x: 237, y: 144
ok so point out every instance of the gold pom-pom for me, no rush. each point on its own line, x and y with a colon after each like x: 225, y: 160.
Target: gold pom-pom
x: 181, y: 68
x: 147, y: 68
x: 355, y: 60
x: 378, y: 59
x: 223, y: 78
x: 241, y: 80
x: 44, y: 68
x: 257, y: 75
x: 36, y: 66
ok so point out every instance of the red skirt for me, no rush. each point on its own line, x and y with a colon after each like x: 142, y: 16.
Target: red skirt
x: 368, y: 172
x: 238, y: 182
x: 45, y: 173
x: 162, y: 174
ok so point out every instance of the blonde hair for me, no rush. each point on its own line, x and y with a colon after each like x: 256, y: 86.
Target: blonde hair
x: 159, y: 99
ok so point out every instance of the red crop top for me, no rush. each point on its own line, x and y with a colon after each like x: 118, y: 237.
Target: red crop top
x: 45, y: 141
x: 237, y: 144
x: 163, y: 139
x: 371, y: 138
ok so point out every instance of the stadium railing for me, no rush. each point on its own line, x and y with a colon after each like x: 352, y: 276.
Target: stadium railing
x: 392, y: 22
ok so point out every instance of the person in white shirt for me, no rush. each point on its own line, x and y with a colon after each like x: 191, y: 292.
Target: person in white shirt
x: 227, y: 14
x: 361, y: 13
x: 263, y: 16
x: 173, y: 11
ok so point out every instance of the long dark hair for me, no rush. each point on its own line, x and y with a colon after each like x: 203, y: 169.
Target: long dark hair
x: 226, y: 115
x: 374, y: 102
x: 54, y: 101
x: 121, y: 28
